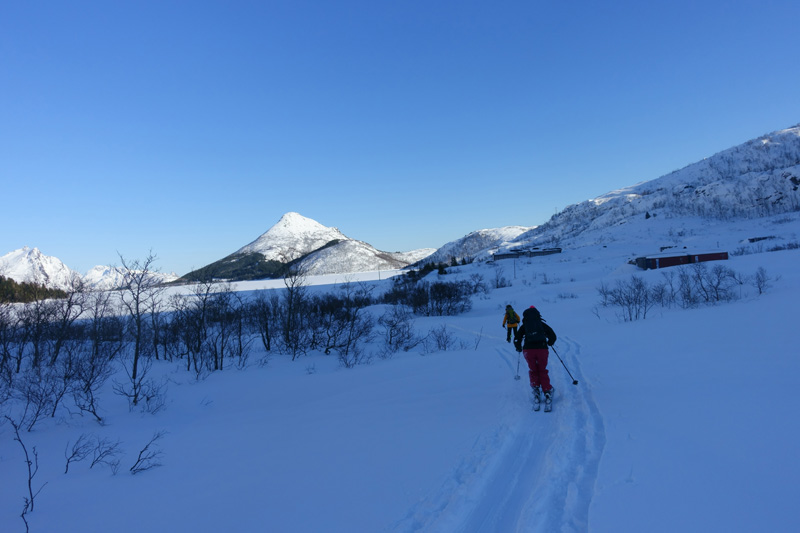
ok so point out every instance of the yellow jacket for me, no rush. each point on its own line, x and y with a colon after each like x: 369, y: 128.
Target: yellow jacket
x: 513, y: 320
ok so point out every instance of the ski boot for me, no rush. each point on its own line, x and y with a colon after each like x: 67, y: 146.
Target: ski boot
x: 537, y: 398
x: 548, y: 400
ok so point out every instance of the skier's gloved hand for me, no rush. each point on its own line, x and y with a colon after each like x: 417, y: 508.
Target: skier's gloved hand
x: 550, y: 343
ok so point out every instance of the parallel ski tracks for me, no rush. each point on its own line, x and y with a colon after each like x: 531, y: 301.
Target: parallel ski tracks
x: 536, y: 474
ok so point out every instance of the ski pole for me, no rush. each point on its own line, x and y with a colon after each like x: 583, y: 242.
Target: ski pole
x: 574, y: 381
x: 517, y: 376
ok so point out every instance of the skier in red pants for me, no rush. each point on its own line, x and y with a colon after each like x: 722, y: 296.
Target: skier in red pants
x: 537, y: 336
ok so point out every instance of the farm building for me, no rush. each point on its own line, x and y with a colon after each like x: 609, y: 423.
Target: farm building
x: 668, y: 260
x: 514, y: 253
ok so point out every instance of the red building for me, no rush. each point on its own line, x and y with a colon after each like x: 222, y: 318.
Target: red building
x: 673, y: 259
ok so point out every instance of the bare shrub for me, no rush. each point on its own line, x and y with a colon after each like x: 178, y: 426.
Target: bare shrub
x: 33, y: 469
x: 397, y: 331
x: 149, y: 457
x: 105, y: 452
x: 442, y: 338
x: 139, y: 294
x: 633, y: 297
x: 144, y: 391
x: 761, y: 281
x: 79, y: 451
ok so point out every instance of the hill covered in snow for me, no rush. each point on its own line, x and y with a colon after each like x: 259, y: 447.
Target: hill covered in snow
x: 30, y: 265
x: 756, y: 179
x: 299, y: 241
x: 480, y: 244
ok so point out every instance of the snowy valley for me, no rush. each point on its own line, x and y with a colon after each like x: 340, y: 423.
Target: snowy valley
x: 681, y: 419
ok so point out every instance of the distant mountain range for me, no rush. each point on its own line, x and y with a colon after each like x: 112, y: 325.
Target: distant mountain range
x: 30, y: 265
x: 759, y: 178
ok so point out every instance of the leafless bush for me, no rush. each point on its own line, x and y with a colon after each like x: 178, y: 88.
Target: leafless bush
x: 33, y: 391
x: 356, y: 355
x: 149, y: 457
x: 761, y: 281
x: 693, y: 285
x: 340, y: 323
x: 294, y: 334
x: 687, y: 294
x: 64, y: 313
x: 397, y: 331
x: 263, y: 317
x: 713, y: 284
x: 479, y: 286
x: 143, y: 391
x: 443, y: 339
x: 500, y: 280
x: 90, y: 374
x: 633, y: 297
x: 105, y: 452
x: 139, y: 294
x: 79, y: 451
x: 33, y: 469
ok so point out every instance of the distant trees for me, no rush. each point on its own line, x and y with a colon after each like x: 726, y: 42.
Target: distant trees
x: 686, y: 286
x: 12, y: 291
x: 439, y: 298
x: 59, y: 354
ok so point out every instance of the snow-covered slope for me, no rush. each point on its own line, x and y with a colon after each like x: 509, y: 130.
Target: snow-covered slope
x: 477, y: 244
x: 356, y: 256
x: 672, y: 426
x: 758, y: 178
x: 319, y: 249
x: 292, y: 237
x: 32, y: 266
x: 109, y: 277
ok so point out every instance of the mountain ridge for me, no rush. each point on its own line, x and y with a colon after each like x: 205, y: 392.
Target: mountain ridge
x: 758, y: 178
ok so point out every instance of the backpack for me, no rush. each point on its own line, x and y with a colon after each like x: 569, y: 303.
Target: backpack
x: 534, y: 329
x: 513, y: 317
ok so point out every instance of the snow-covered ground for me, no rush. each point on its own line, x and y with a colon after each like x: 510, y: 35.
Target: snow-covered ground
x: 680, y: 422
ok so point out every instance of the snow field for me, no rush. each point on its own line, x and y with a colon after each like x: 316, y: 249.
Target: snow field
x: 681, y: 421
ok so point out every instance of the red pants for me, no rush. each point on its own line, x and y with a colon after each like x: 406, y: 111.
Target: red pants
x: 537, y: 368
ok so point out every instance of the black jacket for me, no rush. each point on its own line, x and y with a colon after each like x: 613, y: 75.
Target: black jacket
x: 519, y: 336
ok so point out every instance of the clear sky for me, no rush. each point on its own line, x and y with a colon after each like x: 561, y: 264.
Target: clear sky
x: 188, y: 128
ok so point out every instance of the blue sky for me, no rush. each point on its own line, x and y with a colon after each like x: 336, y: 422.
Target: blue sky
x: 189, y: 128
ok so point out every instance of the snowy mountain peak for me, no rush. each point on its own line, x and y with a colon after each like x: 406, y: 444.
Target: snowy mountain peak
x: 292, y: 237
x: 32, y: 266
x: 301, y: 240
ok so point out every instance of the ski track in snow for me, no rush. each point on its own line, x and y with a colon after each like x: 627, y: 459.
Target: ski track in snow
x: 535, y: 473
